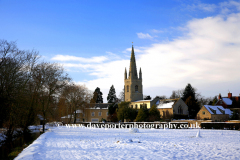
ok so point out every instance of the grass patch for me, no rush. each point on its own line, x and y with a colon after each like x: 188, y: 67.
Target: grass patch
x: 18, y: 150
x: 15, y: 153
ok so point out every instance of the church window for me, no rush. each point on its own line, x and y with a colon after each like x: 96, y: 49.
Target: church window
x: 203, y: 112
x: 136, y: 106
x: 141, y: 106
x: 127, y: 88
x: 136, y: 88
x: 180, y: 111
x: 131, y: 106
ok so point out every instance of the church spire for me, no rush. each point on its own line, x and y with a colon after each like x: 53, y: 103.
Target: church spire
x: 125, y: 74
x: 140, y: 74
x: 133, y: 66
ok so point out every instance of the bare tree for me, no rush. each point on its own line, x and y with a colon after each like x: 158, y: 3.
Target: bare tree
x: 51, y: 79
x: 174, y: 95
x: 75, y: 98
x: 15, y: 73
x: 121, y: 96
x: 179, y: 93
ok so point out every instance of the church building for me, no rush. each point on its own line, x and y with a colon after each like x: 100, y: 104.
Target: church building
x: 133, y: 88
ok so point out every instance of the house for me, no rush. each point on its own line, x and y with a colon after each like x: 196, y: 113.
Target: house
x: 93, y: 112
x: 214, y: 113
x: 143, y: 103
x: 172, y: 108
x: 96, y: 112
x: 70, y: 118
x: 229, y: 101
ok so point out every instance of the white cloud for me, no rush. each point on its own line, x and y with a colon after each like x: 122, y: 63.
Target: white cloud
x: 202, y: 6
x: 207, y: 56
x: 228, y: 6
x: 113, y: 55
x: 79, y: 59
x: 225, y: 7
x: 157, y: 31
x: 207, y: 7
x: 144, y: 36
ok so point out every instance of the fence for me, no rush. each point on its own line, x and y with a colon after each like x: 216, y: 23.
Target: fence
x: 220, y: 125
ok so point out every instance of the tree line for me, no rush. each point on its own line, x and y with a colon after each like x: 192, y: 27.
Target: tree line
x: 31, y: 89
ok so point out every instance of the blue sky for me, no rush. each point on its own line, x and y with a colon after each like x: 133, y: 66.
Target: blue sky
x: 176, y: 41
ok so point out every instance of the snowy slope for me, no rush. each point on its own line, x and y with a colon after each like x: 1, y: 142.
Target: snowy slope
x: 86, y: 143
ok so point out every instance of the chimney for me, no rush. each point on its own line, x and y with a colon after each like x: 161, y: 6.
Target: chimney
x: 219, y: 96
x: 230, y: 95
x: 237, y: 98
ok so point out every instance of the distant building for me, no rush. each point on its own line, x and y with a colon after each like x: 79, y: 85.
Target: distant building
x: 95, y: 112
x: 229, y: 101
x: 214, y: 113
x: 172, y: 108
x: 70, y: 118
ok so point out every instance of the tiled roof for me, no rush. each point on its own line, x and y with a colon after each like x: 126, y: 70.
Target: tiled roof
x: 98, y: 105
x: 228, y: 101
x: 218, y: 110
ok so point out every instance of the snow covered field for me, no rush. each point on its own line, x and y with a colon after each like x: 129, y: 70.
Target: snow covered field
x: 86, y: 143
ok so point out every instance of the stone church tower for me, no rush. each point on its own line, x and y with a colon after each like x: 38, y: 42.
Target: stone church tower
x: 133, y: 89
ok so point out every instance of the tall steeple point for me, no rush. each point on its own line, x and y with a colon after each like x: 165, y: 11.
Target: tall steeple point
x: 132, y: 54
x: 125, y: 74
x: 140, y: 74
x: 133, y: 88
x: 133, y: 66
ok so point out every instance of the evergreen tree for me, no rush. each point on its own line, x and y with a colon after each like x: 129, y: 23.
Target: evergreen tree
x: 111, y: 98
x: 124, y: 112
x: 147, y: 97
x: 188, y: 91
x: 97, y: 96
x: 191, y: 101
x: 213, y: 101
x: 235, y: 115
x: 112, y: 114
x: 142, y: 115
x: 154, y: 114
x: 112, y: 108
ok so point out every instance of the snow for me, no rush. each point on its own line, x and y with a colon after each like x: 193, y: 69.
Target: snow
x: 98, y: 108
x: 165, y: 105
x: 133, y: 130
x: 227, y: 101
x: 89, y: 143
x: 217, y: 109
x: 68, y: 116
x: 142, y: 101
x: 79, y: 111
x: 2, y: 138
